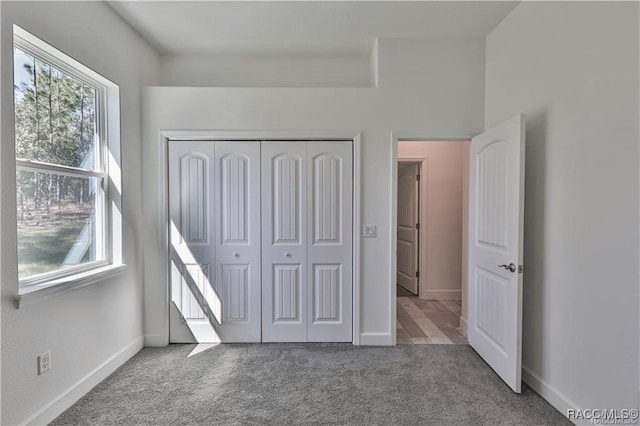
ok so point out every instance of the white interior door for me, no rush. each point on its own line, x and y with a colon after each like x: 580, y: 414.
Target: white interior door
x: 407, y: 233
x: 496, y: 201
x: 284, y: 242
x: 194, y: 303
x: 329, y: 236
x: 214, y: 201
x: 261, y: 241
x: 307, y: 241
x: 237, y: 238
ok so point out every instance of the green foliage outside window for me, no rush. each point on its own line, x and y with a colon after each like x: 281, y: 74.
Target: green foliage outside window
x: 55, y: 123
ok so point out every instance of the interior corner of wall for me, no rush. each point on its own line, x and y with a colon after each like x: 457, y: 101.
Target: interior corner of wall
x: 155, y: 341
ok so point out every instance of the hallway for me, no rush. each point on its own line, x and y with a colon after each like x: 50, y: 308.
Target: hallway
x: 428, y: 321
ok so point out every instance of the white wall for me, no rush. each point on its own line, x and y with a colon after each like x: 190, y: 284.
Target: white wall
x: 426, y: 90
x: 441, y: 220
x: 87, y: 327
x: 266, y: 70
x: 573, y: 69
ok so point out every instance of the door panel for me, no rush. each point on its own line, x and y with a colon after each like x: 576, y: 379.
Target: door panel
x: 235, y: 289
x: 327, y: 284
x: 287, y: 192
x: 261, y: 241
x: 326, y: 185
x: 407, y: 234
x: 234, y: 171
x: 194, y: 190
x: 330, y: 212
x: 237, y: 201
x: 491, y: 162
x: 286, y: 294
x: 193, y: 298
x: 496, y: 213
x: 284, y: 242
x: 214, y: 196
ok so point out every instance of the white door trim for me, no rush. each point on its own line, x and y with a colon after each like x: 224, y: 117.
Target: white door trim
x: 163, y: 196
x: 393, y: 190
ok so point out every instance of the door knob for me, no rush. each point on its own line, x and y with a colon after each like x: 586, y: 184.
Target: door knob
x: 510, y: 267
x: 287, y: 254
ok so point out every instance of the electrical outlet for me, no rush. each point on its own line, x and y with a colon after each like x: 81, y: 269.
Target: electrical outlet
x: 44, y: 362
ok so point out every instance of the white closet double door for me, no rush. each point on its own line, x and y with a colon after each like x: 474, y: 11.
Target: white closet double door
x: 261, y: 241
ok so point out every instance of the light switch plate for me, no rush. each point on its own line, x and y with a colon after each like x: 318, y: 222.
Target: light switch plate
x: 369, y: 231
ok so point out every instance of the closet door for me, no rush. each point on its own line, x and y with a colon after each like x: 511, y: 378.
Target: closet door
x: 329, y: 236
x: 214, y: 202
x: 237, y: 238
x: 307, y: 241
x: 195, y: 306
x: 232, y: 281
x: 284, y: 242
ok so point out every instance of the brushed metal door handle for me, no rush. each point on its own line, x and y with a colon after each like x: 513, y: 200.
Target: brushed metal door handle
x: 510, y: 267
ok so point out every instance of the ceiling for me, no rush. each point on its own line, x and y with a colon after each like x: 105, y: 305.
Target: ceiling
x: 302, y: 27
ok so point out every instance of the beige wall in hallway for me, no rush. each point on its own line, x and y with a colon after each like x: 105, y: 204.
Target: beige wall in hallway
x: 441, y: 216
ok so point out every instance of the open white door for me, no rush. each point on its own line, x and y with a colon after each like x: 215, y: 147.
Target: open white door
x: 407, y: 232
x: 496, y: 213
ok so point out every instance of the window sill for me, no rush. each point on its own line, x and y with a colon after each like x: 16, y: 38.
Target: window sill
x: 49, y: 289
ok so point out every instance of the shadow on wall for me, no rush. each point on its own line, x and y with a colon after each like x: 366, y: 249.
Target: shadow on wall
x: 534, y: 240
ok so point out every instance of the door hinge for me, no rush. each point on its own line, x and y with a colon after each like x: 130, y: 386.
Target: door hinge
x: 417, y: 274
x: 417, y: 177
x: 417, y: 226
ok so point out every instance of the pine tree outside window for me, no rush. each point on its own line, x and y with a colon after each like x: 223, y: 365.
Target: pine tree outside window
x: 63, y: 158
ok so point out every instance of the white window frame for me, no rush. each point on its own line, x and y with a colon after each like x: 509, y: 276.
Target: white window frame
x: 109, y: 188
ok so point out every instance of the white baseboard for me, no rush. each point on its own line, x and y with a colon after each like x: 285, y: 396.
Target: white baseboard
x: 464, y: 325
x: 441, y: 294
x: 155, y: 341
x: 552, y: 395
x: 66, y: 399
x: 376, y: 339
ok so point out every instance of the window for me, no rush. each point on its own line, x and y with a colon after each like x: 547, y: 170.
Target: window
x: 67, y: 163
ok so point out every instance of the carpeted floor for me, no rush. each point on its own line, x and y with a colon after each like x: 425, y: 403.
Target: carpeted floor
x: 284, y: 384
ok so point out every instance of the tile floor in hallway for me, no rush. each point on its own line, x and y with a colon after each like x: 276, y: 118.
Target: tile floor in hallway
x: 428, y: 321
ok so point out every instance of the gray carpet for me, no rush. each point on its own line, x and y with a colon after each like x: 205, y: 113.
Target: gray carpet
x: 282, y: 384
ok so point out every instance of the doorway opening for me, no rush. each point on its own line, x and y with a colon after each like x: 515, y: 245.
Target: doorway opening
x: 431, y: 241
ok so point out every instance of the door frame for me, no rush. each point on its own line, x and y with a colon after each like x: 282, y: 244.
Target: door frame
x: 266, y: 135
x: 395, y: 138
x: 421, y: 262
